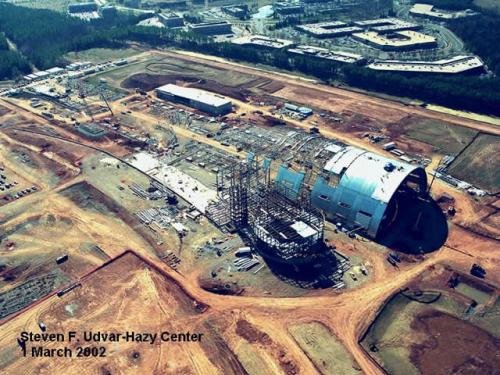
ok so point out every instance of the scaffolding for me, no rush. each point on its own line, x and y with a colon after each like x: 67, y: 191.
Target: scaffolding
x: 280, y: 223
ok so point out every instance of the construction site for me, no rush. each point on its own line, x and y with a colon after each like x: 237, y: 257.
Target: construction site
x: 278, y: 221
x: 301, y: 228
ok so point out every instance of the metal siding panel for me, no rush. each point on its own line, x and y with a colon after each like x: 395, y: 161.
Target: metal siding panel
x: 363, y: 220
x: 322, y: 188
x: 377, y: 219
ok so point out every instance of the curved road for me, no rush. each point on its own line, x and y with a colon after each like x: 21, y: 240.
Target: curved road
x: 347, y: 314
x: 293, y: 81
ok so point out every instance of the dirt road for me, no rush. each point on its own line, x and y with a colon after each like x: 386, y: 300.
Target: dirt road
x: 342, y: 94
x: 347, y: 314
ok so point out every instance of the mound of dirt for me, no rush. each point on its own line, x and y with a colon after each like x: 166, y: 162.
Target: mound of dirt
x: 3, y: 110
x: 422, y: 296
x: 250, y: 333
x: 220, y: 288
x: 148, y: 82
x: 253, y: 335
x: 271, y: 87
x: 453, y: 346
x: 289, y: 366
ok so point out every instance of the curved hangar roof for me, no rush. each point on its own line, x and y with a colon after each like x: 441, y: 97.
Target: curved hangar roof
x: 366, y: 184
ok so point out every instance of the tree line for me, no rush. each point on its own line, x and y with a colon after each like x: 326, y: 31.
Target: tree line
x: 12, y: 63
x: 481, y: 35
x: 44, y: 37
x: 460, y: 91
x: 451, y: 4
x: 3, y: 43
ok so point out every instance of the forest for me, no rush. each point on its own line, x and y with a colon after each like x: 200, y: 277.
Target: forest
x: 3, y: 43
x: 451, y: 4
x: 43, y: 37
x: 481, y: 35
x: 11, y: 62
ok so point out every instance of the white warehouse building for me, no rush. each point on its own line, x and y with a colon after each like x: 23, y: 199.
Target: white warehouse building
x: 365, y: 191
x: 205, y: 101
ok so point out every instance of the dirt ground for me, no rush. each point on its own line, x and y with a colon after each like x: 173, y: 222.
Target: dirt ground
x: 445, y: 137
x: 415, y: 330
x: 148, y: 82
x: 338, y: 103
x: 85, y: 309
x: 323, y: 349
x: 474, y: 350
x: 84, y: 213
x: 415, y: 129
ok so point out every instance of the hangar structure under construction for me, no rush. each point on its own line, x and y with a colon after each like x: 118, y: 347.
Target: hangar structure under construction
x: 364, y: 191
x: 275, y: 216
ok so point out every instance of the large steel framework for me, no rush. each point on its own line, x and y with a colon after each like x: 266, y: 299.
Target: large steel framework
x: 282, y: 228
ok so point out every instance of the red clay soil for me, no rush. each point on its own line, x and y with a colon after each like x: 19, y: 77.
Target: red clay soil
x: 272, y: 86
x: 218, y: 351
x: 64, y: 151
x: 218, y: 287
x: 253, y: 335
x: 453, y: 346
x: 83, y: 193
x: 287, y: 364
x: 250, y: 333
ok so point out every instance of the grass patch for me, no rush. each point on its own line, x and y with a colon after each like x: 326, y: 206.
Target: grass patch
x: 325, y: 351
x: 479, y: 163
x: 447, y: 138
x: 99, y: 55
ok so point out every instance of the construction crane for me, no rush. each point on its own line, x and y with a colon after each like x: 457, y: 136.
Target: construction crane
x: 103, y: 97
x: 82, y: 96
x: 434, y: 176
x: 107, y: 104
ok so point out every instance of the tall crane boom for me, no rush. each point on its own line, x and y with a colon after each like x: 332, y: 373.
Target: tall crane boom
x: 107, y: 104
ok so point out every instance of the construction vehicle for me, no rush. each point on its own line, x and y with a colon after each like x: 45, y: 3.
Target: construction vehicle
x: 478, y: 271
x: 392, y: 261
